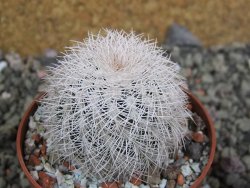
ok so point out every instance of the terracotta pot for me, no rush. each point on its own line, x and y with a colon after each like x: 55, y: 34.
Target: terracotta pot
x: 196, y: 107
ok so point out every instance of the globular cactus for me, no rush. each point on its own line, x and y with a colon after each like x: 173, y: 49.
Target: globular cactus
x: 115, y: 107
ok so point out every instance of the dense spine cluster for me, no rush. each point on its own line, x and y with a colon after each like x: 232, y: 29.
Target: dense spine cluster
x: 115, y: 106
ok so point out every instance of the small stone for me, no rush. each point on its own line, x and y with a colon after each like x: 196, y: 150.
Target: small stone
x: 207, y: 78
x: 34, y: 160
x: 198, y: 136
x: 154, y: 178
x: 194, y: 150
x: 39, y: 167
x: 43, y: 149
x: 243, y: 124
x: 49, y: 169
x: 171, y: 172
x: 34, y: 174
x: 180, y: 179
x: 37, y: 152
x: 163, y: 183
x: 32, y: 124
x: 228, y: 151
x: 37, y: 138
x: 14, y: 61
x: 46, y: 180
x: 135, y: 181
x: 186, y: 170
x: 5, y: 95
x: 3, y: 65
x: 59, y: 177
x: 144, y: 186
x: 84, y: 182
x: 180, y: 36
x: 214, y: 182
x: 2, y: 182
x: 128, y: 185
x: 246, y: 161
x: 195, y: 167
x: 171, y: 184
x: 232, y: 164
x: 109, y: 185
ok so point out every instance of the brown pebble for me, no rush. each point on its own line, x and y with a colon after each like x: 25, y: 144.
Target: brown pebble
x: 34, y: 160
x: 37, y: 138
x: 189, y: 106
x: 37, y: 152
x: 45, y: 180
x: 180, y: 179
x: 171, y: 184
x: 66, y: 164
x: 135, y: 181
x: 198, y: 136
x: 43, y: 149
x: 109, y: 185
x: 170, y: 173
x: 186, y: 158
x: 77, y: 185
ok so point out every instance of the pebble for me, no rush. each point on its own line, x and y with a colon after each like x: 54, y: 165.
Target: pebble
x: 163, y: 183
x: 198, y: 136
x: 128, y: 185
x: 144, y: 186
x: 171, y: 184
x: 154, y: 179
x: 186, y: 170
x: 194, y: 150
x: 246, y: 160
x: 180, y: 180
x: 195, y: 167
x: 34, y: 174
x: 135, y: 181
x: 49, y: 169
x: 179, y: 36
x: 3, y: 65
x: 3, y: 183
x: 112, y: 185
x: 243, y: 124
x: 15, y: 61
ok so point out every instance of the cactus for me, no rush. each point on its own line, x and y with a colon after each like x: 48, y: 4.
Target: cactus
x: 114, y: 106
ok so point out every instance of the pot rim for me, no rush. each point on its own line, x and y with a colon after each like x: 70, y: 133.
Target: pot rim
x: 193, y: 99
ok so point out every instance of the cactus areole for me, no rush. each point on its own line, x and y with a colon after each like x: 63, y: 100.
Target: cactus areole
x: 115, y: 107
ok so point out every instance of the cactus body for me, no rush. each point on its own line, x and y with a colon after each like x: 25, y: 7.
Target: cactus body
x: 115, y: 107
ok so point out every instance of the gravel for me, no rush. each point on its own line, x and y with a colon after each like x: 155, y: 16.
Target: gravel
x: 219, y: 76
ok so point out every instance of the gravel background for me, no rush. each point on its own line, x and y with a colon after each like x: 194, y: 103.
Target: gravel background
x: 219, y: 76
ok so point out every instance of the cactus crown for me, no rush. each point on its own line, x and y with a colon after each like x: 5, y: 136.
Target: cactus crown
x: 114, y: 106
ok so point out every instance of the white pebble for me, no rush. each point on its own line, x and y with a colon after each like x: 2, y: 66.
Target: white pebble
x: 32, y: 123
x: 92, y: 185
x: 5, y: 95
x: 84, y: 182
x: 196, y: 167
x: 128, y: 185
x: 34, y: 174
x: 186, y: 170
x: 144, y: 186
x: 134, y: 186
x: 3, y: 64
x: 48, y: 168
x: 59, y: 177
x: 163, y: 183
x: 39, y: 167
x: 190, y: 160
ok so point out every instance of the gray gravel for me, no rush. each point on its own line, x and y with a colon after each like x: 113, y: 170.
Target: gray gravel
x: 218, y: 76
